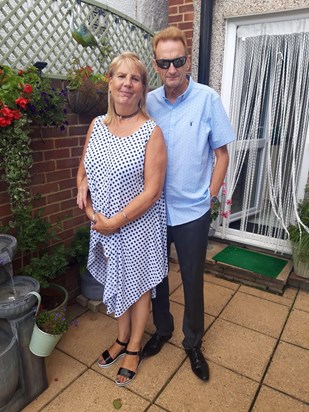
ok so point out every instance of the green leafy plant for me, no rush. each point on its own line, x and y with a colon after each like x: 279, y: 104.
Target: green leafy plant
x: 83, y: 77
x: 215, y: 211
x: 25, y: 94
x: 80, y: 247
x: 52, y: 322
x: 298, y: 235
x: 26, y: 97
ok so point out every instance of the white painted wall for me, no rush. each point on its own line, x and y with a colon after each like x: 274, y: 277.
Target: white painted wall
x: 152, y: 14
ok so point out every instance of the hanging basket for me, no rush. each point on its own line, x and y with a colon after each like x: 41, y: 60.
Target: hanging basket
x: 88, y: 100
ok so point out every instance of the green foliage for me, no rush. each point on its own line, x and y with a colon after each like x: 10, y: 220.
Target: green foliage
x: 16, y: 161
x: 25, y: 97
x: 80, y: 247
x: 215, y: 211
x: 84, y: 77
x: 46, y: 107
x: 47, y: 265
x: 54, y: 323
x: 298, y: 235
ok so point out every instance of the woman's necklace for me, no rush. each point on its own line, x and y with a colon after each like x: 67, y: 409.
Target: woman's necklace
x: 122, y: 116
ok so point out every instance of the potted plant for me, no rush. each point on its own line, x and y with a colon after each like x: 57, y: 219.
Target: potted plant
x: 90, y: 287
x: 48, y: 330
x: 299, y: 237
x: 86, y: 90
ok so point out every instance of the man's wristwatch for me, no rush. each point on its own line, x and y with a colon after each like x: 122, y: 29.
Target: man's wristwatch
x: 214, y: 199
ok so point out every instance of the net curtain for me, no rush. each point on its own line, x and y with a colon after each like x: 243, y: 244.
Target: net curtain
x: 269, y: 111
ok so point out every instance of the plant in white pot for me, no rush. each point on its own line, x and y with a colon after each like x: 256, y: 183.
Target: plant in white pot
x: 48, y: 330
x: 299, y: 237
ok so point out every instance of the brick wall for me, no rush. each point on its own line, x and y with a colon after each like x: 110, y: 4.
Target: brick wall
x: 56, y: 156
x: 180, y: 14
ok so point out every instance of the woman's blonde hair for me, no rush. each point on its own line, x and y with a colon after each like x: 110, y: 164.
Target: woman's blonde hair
x: 131, y: 59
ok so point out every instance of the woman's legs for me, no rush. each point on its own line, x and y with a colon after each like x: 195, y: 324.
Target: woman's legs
x: 124, y: 330
x: 138, y: 313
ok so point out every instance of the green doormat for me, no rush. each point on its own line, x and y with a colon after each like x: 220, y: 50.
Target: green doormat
x: 255, y: 262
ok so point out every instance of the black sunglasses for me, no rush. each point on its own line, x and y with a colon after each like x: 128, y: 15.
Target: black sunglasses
x: 165, y: 63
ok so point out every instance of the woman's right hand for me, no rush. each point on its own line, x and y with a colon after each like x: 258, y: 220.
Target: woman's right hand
x: 82, y: 194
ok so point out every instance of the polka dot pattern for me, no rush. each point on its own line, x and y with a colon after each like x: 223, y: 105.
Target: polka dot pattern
x: 133, y: 261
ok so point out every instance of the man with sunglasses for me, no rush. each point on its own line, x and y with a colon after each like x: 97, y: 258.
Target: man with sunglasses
x: 195, y: 126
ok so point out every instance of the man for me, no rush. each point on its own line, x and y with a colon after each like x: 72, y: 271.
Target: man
x: 194, y: 125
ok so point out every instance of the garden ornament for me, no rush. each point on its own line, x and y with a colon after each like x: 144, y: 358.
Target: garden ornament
x: 82, y: 34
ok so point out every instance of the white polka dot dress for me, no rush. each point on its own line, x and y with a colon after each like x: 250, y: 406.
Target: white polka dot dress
x: 133, y: 261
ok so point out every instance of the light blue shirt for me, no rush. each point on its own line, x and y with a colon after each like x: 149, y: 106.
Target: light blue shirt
x: 193, y: 127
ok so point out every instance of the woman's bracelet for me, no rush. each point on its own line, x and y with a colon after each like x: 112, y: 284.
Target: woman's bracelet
x: 125, y: 216
x: 93, y: 215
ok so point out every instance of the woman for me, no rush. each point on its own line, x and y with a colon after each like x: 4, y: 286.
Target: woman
x: 124, y: 162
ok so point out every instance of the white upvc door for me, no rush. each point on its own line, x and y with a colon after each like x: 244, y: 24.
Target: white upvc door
x: 267, y: 96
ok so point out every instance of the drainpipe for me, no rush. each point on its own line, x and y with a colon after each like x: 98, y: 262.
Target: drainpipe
x: 205, y: 41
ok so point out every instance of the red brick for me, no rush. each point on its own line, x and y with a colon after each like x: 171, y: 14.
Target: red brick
x: 185, y: 26
x: 68, y: 204
x: 67, y: 163
x: 76, y: 151
x: 51, y: 209
x: 175, y: 2
x: 67, y: 142
x: 67, y: 184
x: 43, y: 167
x: 39, y: 144
x: 186, y: 8
x: 188, y: 17
x: 175, y: 19
x: 53, y: 132
x: 56, y: 154
x: 46, y: 188
x: 172, y: 10
x: 38, y: 179
x: 5, y: 210
x: 78, y: 130
x: 57, y: 176
x: 58, y: 196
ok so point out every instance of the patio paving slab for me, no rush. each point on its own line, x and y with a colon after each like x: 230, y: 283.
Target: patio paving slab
x: 256, y: 313
x: 215, y: 297
x: 238, y: 348
x: 288, y: 371
x: 270, y: 400
x: 85, y: 343
x: 61, y: 370
x: 226, y: 391
x: 177, y: 312
x: 302, y: 300
x: 296, y: 330
x: 286, y: 299
x: 153, y: 372
x: 94, y: 393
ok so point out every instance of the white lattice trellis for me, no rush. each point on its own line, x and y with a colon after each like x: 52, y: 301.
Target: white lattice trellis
x: 41, y: 33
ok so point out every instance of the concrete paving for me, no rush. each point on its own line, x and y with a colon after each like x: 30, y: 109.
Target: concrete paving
x: 256, y: 344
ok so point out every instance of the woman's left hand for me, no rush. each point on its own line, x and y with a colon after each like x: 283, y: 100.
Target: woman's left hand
x: 103, y: 225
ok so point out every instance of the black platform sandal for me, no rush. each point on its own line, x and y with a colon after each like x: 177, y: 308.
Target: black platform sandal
x: 127, y: 373
x: 107, y: 357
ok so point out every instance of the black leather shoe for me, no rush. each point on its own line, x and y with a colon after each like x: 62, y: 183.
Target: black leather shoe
x: 198, y: 363
x: 154, y: 345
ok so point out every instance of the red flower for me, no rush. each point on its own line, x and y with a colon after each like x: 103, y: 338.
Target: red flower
x: 7, y: 112
x: 22, y: 102
x: 20, y: 72
x: 5, y: 122
x: 27, y: 88
x: 16, y: 114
